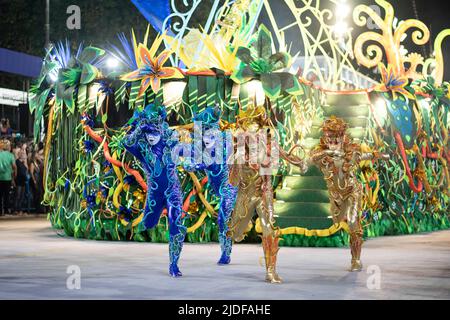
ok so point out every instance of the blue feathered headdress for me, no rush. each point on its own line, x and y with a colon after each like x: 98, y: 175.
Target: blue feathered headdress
x: 151, y: 119
x: 209, y: 117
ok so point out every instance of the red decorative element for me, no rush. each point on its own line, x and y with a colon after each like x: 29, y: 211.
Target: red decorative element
x: 423, y: 94
x: 192, y: 193
x: 136, y: 173
x: 419, y: 187
x: 202, y: 73
x: 115, y: 162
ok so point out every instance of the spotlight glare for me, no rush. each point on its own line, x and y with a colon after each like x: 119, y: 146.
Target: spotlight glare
x: 342, y: 10
x: 340, y: 28
x: 53, y: 76
x: 425, y: 104
x: 255, y: 90
x: 403, y: 51
x: 381, y: 111
x: 112, y: 63
x: 173, y: 92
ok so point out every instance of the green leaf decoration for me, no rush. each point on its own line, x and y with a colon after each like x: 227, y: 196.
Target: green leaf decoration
x: 82, y: 98
x: 33, y: 101
x: 280, y: 60
x: 245, y: 55
x: 271, y: 84
x: 70, y: 77
x: 92, y: 98
x: 135, y: 86
x: 263, y: 43
x: 290, y: 84
x: 261, y: 66
x: 88, y: 74
x: 264, y: 64
x: 37, y: 104
x: 65, y: 95
x: 70, y: 104
x: 37, y: 101
x: 89, y: 54
x: 47, y: 68
x: 403, y: 120
x: 120, y: 95
x: 59, y: 92
x: 243, y: 74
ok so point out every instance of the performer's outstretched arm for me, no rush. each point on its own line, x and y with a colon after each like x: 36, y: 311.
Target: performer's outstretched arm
x: 293, y: 159
x: 367, y: 156
x: 131, y: 142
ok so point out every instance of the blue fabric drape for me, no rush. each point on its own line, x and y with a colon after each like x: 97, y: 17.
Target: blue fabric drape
x: 155, y: 11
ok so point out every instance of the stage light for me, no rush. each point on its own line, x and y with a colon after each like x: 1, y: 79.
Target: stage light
x: 173, y: 92
x: 255, y: 89
x: 340, y: 28
x: 112, y: 63
x: 342, y: 10
x: 381, y: 111
x: 425, y: 103
x: 53, y: 75
x: 403, y: 51
x: 93, y: 90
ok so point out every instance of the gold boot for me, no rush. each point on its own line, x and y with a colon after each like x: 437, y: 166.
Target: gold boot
x: 356, y: 265
x: 355, y: 247
x: 270, y: 247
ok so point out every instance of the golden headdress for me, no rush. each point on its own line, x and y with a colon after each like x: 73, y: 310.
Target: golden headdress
x: 334, y: 126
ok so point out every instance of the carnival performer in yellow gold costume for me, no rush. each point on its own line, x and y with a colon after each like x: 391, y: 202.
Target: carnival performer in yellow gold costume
x: 338, y: 158
x: 251, y: 172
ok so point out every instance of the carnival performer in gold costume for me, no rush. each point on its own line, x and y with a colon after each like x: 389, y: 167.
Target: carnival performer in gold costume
x: 338, y: 158
x: 256, y: 154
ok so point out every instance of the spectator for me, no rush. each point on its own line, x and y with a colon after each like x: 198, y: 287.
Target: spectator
x: 6, y: 129
x: 40, y: 153
x: 16, y: 149
x: 22, y: 180
x: 36, y: 184
x: 8, y: 172
x: 27, y: 147
x: 40, y: 179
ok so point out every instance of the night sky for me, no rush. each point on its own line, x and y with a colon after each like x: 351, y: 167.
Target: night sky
x: 24, y: 30
x: 434, y: 13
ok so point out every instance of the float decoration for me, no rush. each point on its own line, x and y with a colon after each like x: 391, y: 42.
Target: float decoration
x: 389, y: 40
x: 96, y: 189
x: 151, y: 69
x: 258, y: 62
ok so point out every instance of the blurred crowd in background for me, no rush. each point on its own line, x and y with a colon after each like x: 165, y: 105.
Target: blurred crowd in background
x: 21, y: 173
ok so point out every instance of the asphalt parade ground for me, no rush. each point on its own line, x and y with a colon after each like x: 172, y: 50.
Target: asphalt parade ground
x: 38, y: 263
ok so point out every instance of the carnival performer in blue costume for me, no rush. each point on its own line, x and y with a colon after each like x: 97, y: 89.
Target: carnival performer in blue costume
x: 211, y: 146
x: 150, y: 141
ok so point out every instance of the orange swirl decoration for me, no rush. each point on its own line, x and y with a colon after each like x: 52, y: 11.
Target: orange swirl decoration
x: 419, y: 187
x: 197, y: 190
x: 388, y: 40
x: 115, y: 162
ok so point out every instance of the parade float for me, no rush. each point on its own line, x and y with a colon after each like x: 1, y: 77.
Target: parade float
x: 97, y: 190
